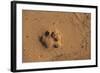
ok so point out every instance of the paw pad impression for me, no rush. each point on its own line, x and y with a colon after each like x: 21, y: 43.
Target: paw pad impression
x: 51, y: 39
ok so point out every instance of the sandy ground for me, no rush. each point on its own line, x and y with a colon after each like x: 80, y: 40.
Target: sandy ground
x: 75, y: 31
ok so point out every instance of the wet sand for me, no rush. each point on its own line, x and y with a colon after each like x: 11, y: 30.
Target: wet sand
x: 75, y: 30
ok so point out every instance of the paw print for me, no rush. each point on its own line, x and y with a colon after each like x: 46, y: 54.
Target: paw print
x: 51, y: 39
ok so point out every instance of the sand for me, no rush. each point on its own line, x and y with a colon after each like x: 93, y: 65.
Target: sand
x: 75, y: 29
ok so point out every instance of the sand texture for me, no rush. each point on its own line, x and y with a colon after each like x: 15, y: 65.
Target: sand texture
x: 72, y: 30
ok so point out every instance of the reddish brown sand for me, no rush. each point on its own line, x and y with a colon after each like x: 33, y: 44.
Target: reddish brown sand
x: 75, y: 32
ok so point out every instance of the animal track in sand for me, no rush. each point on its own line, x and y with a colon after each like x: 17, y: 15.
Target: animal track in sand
x: 51, y: 39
